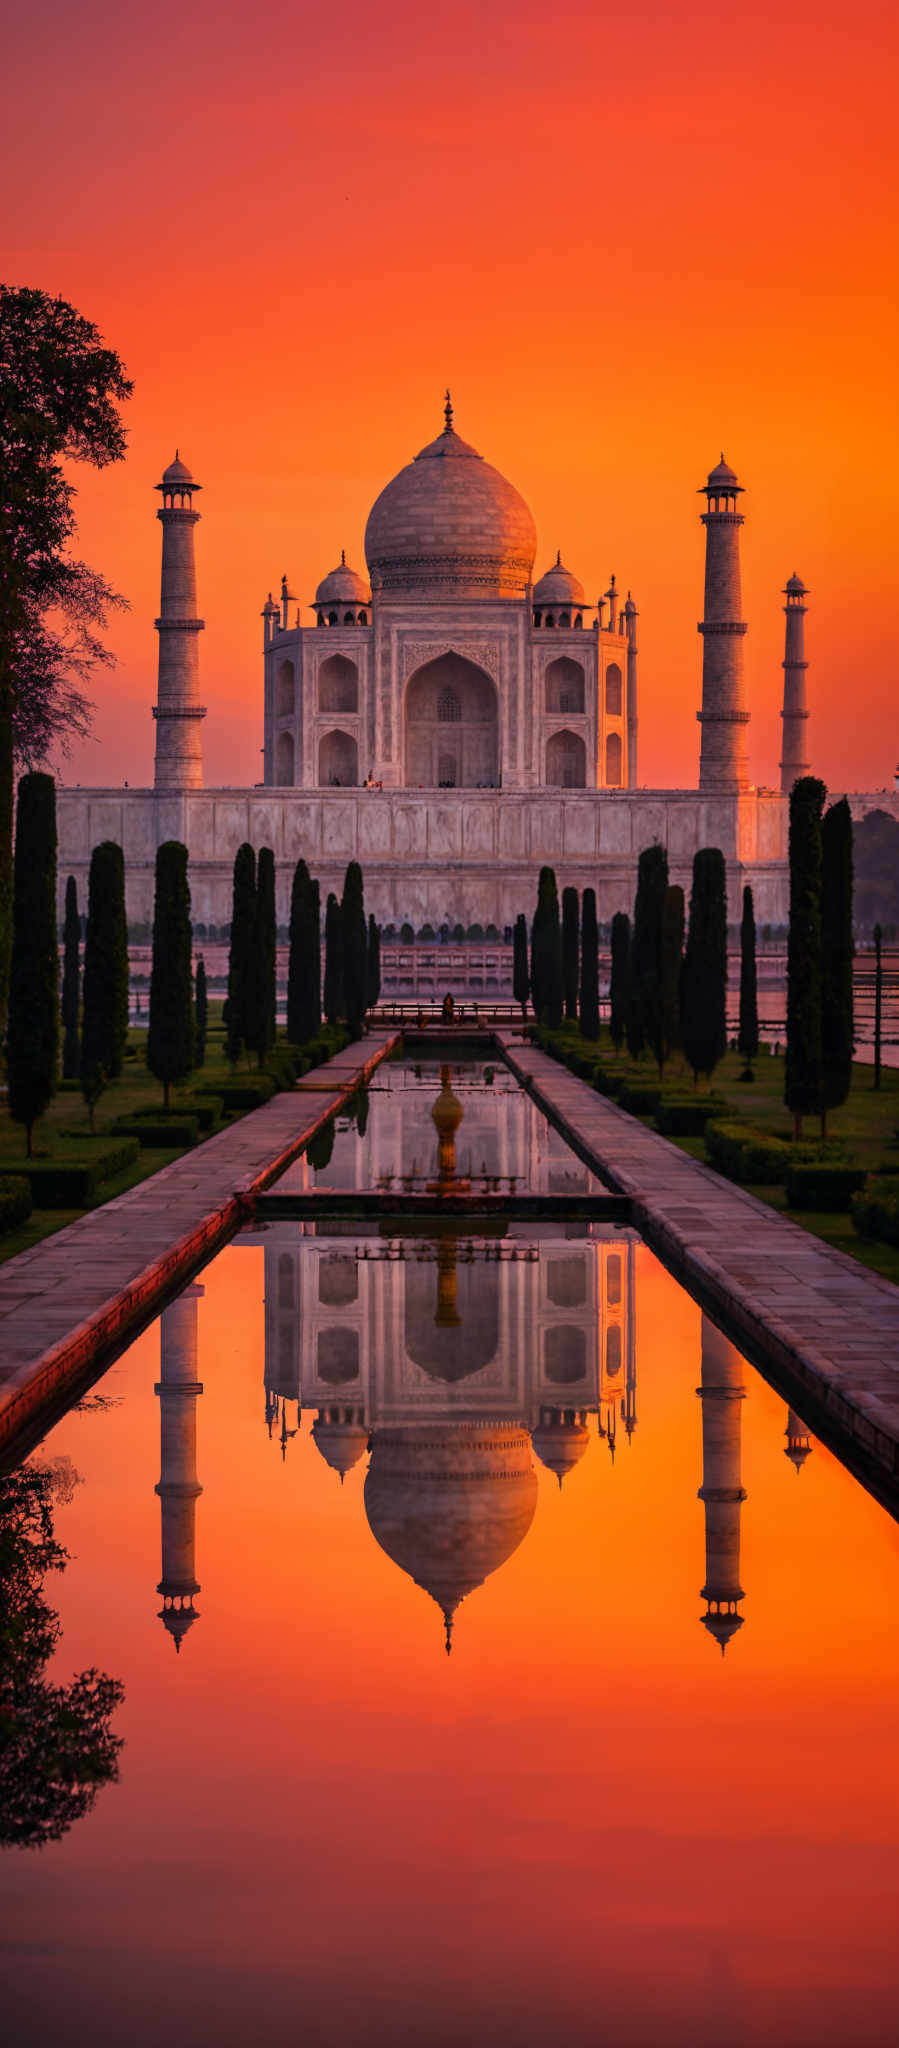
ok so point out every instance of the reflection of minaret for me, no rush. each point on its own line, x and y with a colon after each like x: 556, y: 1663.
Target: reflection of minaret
x: 798, y: 1446
x: 178, y: 1487
x: 721, y: 1492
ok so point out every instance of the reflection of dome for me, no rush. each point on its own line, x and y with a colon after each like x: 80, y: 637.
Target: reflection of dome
x: 560, y: 1439
x: 558, y: 586
x: 341, y: 1437
x: 450, y: 524
x: 343, y: 586
x: 450, y: 1502
x: 447, y: 1112
x: 722, y: 1622
x: 178, y: 1619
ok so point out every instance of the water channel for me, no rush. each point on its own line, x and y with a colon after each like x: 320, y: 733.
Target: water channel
x: 649, y: 1794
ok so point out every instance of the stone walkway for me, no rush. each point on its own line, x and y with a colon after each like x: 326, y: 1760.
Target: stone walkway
x: 830, y: 1325
x: 71, y: 1297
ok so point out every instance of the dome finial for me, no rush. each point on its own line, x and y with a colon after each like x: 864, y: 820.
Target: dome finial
x: 448, y: 412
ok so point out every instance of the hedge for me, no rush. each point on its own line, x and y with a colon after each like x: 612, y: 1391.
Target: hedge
x: 247, y: 1091
x: 15, y: 1201
x: 686, y: 1116
x: 169, y: 1131
x: 746, y: 1154
x: 206, y: 1108
x: 875, y: 1211
x: 640, y: 1098
x: 823, y: 1186
x: 73, y: 1181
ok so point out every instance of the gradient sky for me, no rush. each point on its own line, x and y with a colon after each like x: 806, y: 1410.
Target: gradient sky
x: 627, y: 241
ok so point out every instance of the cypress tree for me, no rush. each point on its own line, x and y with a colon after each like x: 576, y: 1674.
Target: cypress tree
x: 589, y: 989
x: 241, y: 963
x: 313, y: 983
x: 803, y: 1078
x: 333, y: 998
x: 878, y: 1000
x: 373, y: 969
x: 570, y: 951
x: 647, y: 976
x: 704, y: 977
x: 201, y: 1014
x: 104, y: 1005
x: 304, y: 972
x: 521, y: 980
x: 748, y: 1039
x: 170, y: 1039
x: 266, y: 932
x: 620, y: 987
x: 355, y: 948
x: 838, y: 949
x: 546, y: 953
x: 672, y: 963
x: 71, y: 984
x: 32, y: 1029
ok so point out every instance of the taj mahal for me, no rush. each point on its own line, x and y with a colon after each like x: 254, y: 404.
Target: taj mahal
x: 453, y: 720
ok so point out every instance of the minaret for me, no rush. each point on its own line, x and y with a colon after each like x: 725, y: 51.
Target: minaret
x: 721, y: 1492
x: 178, y: 1488
x: 798, y: 1445
x: 795, y: 710
x: 177, y: 711
x: 630, y: 617
x: 723, y: 759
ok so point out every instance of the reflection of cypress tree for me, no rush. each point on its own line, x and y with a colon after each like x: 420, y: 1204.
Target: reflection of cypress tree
x: 361, y: 1111
x: 672, y: 964
x: 320, y: 1148
x: 373, y: 965
x: 240, y: 957
x: 521, y: 980
x: 704, y: 978
x: 570, y: 951
x: 803, y: 1068
x: 589, y: 989
x: 646, y: 950
x: 32, y: 1034
x: 333, y: 998
x: 355, y: 949
x: 748, y: 1040
x: 266, y: 955
x: 71, y: 984
x: 838, y: 951
x: 620, y: 989
x: 201, y: 1013
x: 57, y: 1749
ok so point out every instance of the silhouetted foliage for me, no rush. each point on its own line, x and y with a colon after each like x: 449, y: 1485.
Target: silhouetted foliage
x: 546, y: 952
x: 170, y: 1038
x: 748, y: 1036
x: 838, y: 952
x: 333, y: 997
x: 304, y: 970
x: 373, y: 967
x: 57, y: 1749
x: 620, y: 986
x: 104, y: 1006
x: 355, y: 949
x: 521, y: 980
x: 241, y: 956
x: 647, y: 974
x: 266, y: 955
x: 201, y: 1013
x: 71, y: 984
x: 589, y: 986
x: 803, y: 1076
x: 570, y: 951
x: 32, y: 1037
x: 704, y: 975
x: 672, y: 964
x: 878, y: 1002
x: 320, y: 1148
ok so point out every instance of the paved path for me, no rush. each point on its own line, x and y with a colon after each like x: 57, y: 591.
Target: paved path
x: 828, y: 1323
x: 68, y: 1299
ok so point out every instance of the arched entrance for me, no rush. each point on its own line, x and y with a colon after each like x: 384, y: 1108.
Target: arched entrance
x: 451, y: 726
x: 566, y: 761
x: 338, y: 761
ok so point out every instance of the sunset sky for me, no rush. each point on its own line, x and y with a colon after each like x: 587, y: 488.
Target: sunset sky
x: 627, y: 241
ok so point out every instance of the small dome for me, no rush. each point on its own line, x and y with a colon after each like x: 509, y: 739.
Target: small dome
x: 342, y: 586
x: 340, y: 1442
x: 558, y: 586
x: 795, y: 587
x: 450, y: 526
x: 178, y: 473
x: 560, y: 1441
x: 722, y: 477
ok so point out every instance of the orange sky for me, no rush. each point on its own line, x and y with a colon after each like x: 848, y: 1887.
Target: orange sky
x: 626, y: 242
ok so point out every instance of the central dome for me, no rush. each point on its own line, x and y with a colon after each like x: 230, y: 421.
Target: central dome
x: 450, y: 526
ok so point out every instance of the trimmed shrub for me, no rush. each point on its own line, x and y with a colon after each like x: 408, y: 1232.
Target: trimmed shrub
x: 282, y: 1066
x: 640, y: 1098
x: 161, y: 1129
x: 821, y: 1185
x: 745, y: 1154
x: 15, y: 1201
x: 206, y: 1108
x: 247, y: 1091
x: 70, y: 1182
x: 875, y: 1211
x: 686, y: 1116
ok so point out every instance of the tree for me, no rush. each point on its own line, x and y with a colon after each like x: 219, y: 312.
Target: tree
x: 521, y: 980
x: 104, y: 1020
x: 748, y: 1039
x: 265, y: 1009
x: 620, y: 986
x: 838, y: 953
x: 646, y: 950
x: 32, y: 1039
x: 878, y: 1000
x: 333, y: 995
x: 304, y: 971
x: 672, y: 964
x: 57, y: 1749
x: 589, y: 989
x: 546, y: 953
x: 201, y: 1014
x: 59, y: 393
x: 71, y: 984
x: 373, y: 968
x: 241, y: 956
x: 170, y: 1039
x: 704, y: 978
x: 803, y: 1077
x: 355, y: 949
x: 570, y: 951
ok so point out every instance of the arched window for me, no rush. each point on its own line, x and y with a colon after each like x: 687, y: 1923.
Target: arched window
x: 338, y: 684
x: 447, y: 772
x: 363, y: 618
x: 566, y: 1282
x: 613, y: 1349
x: 349, y: 618
x: 613, y: 760
x: 564, y: 686
x: 566, y: 761
x: 613, y: 690
x: 338, y: 1355
x: 284, y: 760
x: 338, y: 1282
x: 286, y: 1289
x: 338, y: 761
x: 538, y: 618
x: 284, y: 696
x: 565, y: 1355
x: 564, y: 618
x: 449, y: 709
x: 613, y: 1279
